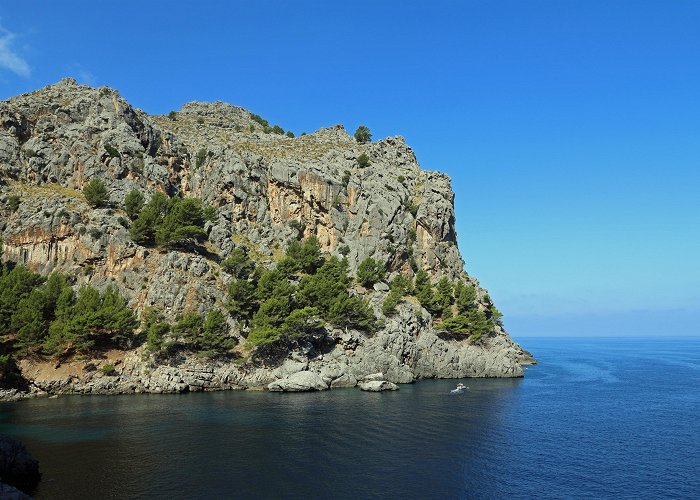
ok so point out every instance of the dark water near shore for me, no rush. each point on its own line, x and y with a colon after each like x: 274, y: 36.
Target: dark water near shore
x: 597, y: 418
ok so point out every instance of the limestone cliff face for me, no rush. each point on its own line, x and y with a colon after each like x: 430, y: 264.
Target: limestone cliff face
x: 266, y: 187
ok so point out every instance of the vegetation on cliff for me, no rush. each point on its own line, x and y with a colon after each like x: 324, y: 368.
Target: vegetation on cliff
x: 167, y: 222
x: 455, y: 305
x: 295, y: 299
x: 45, y: 316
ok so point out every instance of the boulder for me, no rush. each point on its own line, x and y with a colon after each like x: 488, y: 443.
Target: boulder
x: 345, y: 380
x: 17, y: 466
x: 8, y: 492
x: 374, y: 377
x: 299, y: 382
x: 378, y: 386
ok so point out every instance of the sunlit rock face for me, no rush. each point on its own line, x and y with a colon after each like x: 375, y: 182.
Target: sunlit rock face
x: 267, y: 189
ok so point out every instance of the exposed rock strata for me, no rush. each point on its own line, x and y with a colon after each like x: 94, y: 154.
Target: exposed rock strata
x: 53, y: 141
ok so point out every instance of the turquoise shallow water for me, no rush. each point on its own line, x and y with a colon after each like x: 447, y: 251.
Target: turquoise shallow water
x: 597, y: 418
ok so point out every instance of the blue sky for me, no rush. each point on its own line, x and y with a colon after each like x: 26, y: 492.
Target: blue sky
x: 571, y: 129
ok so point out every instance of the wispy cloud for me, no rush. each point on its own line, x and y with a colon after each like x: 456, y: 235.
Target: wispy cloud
x: 9, y: 59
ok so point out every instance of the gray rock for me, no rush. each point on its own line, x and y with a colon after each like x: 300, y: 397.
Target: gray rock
x: 8, y: 492
x: 17, y: 466
x: 345, y: 380
x: 54, y: 140
x: 299, y: 382
x: 373, y: 377
x: 378, y: 386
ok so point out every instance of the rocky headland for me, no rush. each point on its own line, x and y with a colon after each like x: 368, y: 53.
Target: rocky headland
x: 358, y: 201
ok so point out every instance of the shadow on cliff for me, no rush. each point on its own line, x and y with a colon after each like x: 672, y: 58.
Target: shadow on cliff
x: 273, y: 354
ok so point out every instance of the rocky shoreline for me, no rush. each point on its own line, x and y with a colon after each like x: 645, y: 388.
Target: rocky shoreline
x: 401, y: 353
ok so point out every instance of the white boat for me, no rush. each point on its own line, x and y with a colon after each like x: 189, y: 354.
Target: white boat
x: 460, y: 389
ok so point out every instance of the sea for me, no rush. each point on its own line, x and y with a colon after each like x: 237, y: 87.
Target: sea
x: 596, y: 418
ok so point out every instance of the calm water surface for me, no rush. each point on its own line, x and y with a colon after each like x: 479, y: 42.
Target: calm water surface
x: 597, y: 418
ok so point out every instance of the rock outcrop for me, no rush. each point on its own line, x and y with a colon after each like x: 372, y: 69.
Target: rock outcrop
x: 299, y: 382
x: 378, y: 386
x: 267, y: 188
x: 18, y: 469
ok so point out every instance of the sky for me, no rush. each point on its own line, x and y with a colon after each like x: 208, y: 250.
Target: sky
x: 570, y: 129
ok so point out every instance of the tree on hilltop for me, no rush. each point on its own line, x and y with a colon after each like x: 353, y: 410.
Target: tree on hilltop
x: 362, y: 134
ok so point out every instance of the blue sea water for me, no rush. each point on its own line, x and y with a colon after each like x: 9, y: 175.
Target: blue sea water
x: 596, y: 418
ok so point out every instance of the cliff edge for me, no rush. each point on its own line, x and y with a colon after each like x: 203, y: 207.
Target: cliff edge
x: 354, y: 200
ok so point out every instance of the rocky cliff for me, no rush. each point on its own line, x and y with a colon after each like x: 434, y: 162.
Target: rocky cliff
x: 267, y: 189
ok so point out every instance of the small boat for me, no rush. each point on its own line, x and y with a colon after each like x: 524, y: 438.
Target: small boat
x: 460, y: 389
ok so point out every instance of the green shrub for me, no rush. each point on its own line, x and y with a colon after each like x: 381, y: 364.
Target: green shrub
x: 290, y: 134
x: 242, y: 299
x: 157, y: 336
x: 362, y: 134
x: 363, y: 161
x: 259, y: 119
x: 210, y: 213
x: 182, y: 225
x: 108, y: 369
x: 172, y: 115
x: 201, y: 157
x: 410, y: 205
x: 443, y: 298
x: 411, y: 236
x: 370, y: 272
x: 277, y: 130
x: 238, y: 263
x: 95, y: 193
x: 200, y: 120
x: 352, y: 312
x: 13, y: 202
x: 143, y: 230
x: 133, y: 204
x: 474, y: 324
x: 390, y: 303
x: 424, y: 291
x: 306, y: 255
x: 465, y: 297
x: 112, y: 151
x: 176, y: 222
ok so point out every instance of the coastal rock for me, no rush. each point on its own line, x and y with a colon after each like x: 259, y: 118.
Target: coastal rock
x: 266, y: 189
x: 299, y: 382
x: 8, y: 492
x: 17, y: 466
x: 345, y: 380
x: 378, y: 386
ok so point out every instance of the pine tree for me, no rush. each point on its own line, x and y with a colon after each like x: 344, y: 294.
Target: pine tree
x: 133, y: 204
x: 95, y: 193
x: 362, y: 134
x: 370, y: 272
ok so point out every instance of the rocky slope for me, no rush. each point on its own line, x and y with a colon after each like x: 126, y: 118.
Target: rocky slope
x: 267, y: 188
